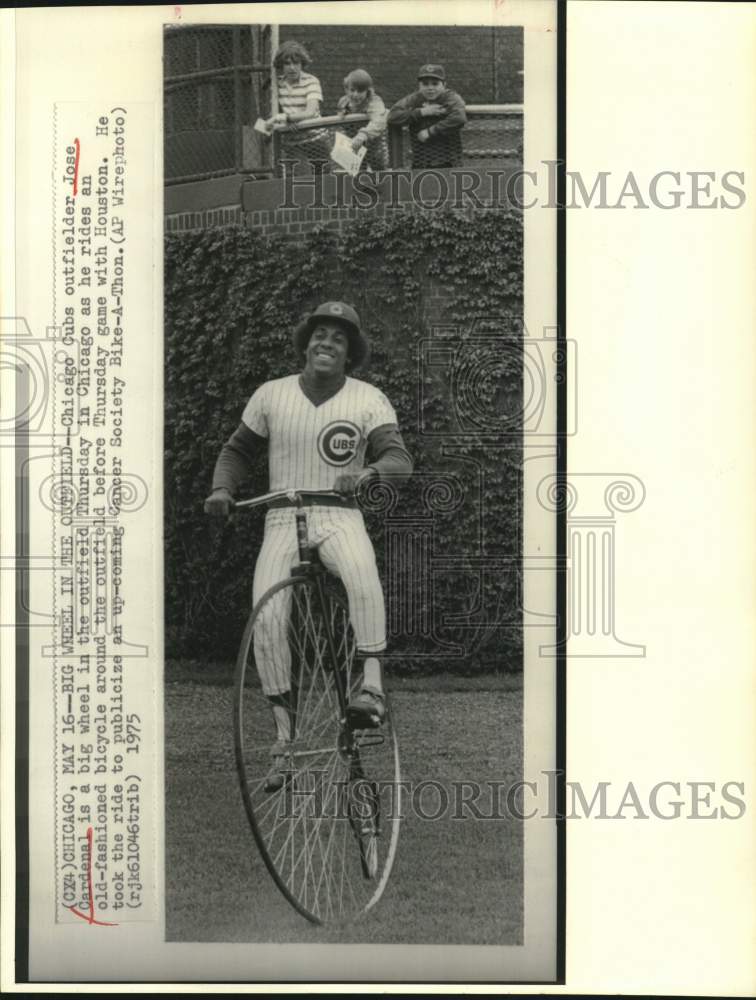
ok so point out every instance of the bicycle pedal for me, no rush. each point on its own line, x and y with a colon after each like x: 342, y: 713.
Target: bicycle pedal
x: 358, y: 718
x: 371, y: 738
x: 274, y: 783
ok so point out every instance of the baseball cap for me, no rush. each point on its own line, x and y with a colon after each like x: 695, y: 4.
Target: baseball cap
x: 431, y: 69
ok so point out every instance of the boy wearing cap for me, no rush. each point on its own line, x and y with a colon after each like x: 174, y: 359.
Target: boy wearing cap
x: 360, y: 98
x: 298, y: 419
x: 435, y: 116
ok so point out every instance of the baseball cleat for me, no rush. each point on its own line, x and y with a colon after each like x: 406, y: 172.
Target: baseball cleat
x: 275, y: 779
x: 367, y: 710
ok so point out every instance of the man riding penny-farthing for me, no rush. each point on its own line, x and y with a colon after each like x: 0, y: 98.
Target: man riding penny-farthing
x: 312, y: 660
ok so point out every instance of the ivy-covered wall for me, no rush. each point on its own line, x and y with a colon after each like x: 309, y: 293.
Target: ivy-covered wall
x: 440, y: 298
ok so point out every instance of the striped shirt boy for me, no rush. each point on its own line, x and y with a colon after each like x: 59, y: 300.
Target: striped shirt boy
x: 294, y: 96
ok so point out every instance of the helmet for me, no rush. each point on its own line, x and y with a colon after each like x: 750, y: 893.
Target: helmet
x: 346, y: 316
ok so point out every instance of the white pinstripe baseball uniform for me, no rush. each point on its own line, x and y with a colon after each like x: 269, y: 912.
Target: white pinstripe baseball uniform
x: 308, y: 447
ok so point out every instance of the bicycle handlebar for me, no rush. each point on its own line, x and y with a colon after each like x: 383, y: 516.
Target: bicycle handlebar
x: 295, y: 496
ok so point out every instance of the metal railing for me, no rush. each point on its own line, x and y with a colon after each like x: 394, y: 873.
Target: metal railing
x: 493, y: 132
x: 219, y: 138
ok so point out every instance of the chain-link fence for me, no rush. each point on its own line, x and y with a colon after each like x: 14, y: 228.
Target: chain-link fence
x: 218, y: 82
x: 494, y: 132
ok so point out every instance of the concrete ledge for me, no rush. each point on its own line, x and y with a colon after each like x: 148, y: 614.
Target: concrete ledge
x: 296, y: 205
x: 197, y: 195
x: 463, y: 187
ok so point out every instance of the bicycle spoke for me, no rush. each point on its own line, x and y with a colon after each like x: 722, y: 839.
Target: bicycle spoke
x: 312, y: 839
x: 292, y: 836
x: 325, y: 870
x: 309, y: 831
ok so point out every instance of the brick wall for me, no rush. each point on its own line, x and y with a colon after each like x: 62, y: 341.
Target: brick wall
x: 262, y: 202
x: 482, y: 63
x: 291, y: 223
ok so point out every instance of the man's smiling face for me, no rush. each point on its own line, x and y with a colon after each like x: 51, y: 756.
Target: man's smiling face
x: 328, y: 349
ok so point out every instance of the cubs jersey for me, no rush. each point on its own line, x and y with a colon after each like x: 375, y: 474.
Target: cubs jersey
x: 309, y: 445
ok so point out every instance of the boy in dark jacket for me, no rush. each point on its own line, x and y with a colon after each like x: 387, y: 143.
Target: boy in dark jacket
x: 435, y: 116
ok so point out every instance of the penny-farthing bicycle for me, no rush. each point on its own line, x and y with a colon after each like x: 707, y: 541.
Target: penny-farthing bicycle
x: 328, y: 828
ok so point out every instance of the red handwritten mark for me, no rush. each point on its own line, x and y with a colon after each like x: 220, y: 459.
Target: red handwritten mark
x: 76, y: 167
x: 177, y: 11
x: 89, y: 917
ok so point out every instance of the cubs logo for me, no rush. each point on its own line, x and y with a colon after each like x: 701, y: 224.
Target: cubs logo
x: 337, y: 443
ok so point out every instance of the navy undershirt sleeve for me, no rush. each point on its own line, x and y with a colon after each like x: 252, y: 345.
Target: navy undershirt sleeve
x: 387, y: 453
x: 237, y: 457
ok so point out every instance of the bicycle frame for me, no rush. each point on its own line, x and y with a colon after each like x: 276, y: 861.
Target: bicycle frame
x: 308, y: 857
x: 309, y: 565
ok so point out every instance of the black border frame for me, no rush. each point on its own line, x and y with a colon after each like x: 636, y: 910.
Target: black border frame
x: 561, y: 476
x: 21, y: 929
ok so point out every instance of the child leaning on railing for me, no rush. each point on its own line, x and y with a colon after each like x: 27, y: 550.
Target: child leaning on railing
x: 360, y: 98
x: 299, y: 98
x: 435, y: 116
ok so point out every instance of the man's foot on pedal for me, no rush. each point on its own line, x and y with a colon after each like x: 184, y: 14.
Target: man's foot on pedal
x: 279, y: 753
x: 368, y: 709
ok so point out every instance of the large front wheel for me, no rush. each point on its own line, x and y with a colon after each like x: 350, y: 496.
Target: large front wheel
x: 325, y: 809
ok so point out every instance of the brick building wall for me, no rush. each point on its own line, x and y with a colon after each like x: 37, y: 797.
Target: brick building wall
x: 274, y: 208
x: 289, y: 223
x: 482, y: 63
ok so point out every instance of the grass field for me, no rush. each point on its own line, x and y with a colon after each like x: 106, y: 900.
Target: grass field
x: 455, y: 881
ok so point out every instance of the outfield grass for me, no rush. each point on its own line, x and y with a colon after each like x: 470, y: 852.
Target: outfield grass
x: 455, y: 881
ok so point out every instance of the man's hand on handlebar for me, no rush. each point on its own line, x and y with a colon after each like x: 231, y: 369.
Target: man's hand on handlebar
x: 220, y: 503
x: 348, y: 483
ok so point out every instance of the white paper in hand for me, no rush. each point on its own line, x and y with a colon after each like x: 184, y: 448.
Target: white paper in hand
x: 343, y: 154
x: 262, y: 126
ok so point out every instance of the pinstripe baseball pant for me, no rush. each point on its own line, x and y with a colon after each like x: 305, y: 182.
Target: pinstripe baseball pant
x: 345, y: 550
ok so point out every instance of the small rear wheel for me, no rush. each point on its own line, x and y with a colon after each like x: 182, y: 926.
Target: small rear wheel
x: 325, y: 807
